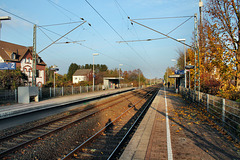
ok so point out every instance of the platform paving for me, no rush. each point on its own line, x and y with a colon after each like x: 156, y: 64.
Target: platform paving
x: 191, y: 134
x: 18, y: 109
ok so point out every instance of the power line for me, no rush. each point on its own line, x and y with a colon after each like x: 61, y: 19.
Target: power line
x: 61, y: 37
x: 157, y: 38
x: 17, y: 16
x: 60, y: 24
x: 161, y: 33
x: 135, y: 32
x: 80, y: 43
x: 45, y: 34
x: 54, y: 5
x: 114, y: 30
x: 162, y: 18
x: 64, y: 8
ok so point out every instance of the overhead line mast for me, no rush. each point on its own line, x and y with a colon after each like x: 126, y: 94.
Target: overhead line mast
x: 195, y: 47
x: 160, y: 33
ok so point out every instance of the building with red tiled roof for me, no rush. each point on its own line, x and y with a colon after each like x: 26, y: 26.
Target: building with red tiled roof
x: 22, y: 56
x: 82, y: 75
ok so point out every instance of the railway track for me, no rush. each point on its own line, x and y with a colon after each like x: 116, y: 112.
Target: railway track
x: 12, y: 146
x: 105, y: 143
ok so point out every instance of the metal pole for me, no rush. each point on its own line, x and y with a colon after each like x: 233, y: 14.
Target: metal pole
x: 223, y: 111
x: 167, y: 75
x: 119, y: 76
x: 0, y: 28
x: 189, y: 79
x: 185, y: 75
x: 54, y: 83
x: 93, y: 73
x: 139, y: 78
x: 34, y: 57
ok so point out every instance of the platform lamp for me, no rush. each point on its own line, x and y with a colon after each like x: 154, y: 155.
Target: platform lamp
x: 119, y: 73
x: 3, y: 19
x: 94, y: 54
x: 185, y: 77
x: 54, y: 69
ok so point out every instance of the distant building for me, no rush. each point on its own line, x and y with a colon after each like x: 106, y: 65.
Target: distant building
x: 22, y: 56
x: 82, y: 75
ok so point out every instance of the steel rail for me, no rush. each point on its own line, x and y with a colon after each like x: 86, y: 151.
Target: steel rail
x: 10, y: 150
x: 123, y: 139
x: 53, y: 121
x: 69, y: 155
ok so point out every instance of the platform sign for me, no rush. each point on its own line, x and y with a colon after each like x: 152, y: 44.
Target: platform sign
x: 179, y: 72
x: 7, y: 66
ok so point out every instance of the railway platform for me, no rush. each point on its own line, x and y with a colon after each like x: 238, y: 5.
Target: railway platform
x: 175, y: 129
x: 18, y: 109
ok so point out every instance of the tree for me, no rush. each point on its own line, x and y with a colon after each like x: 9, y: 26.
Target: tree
x: 180, y: 59
x: 71, y: 70
x: 225, y: 17
x: 11, y: 79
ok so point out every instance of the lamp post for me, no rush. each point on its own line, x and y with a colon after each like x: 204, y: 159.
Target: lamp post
x: 139, y: 78
x: 54, y: 69
x: 3, y: 19
x: 185, y: 76
x: 189, y: 67
x: 119, y: 73
x: 94, y: 54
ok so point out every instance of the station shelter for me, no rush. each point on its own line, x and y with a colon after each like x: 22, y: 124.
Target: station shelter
x: 111, y: 82
x: 179, y: 80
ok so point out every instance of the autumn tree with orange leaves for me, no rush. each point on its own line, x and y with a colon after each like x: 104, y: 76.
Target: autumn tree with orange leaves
x: 224, y: 23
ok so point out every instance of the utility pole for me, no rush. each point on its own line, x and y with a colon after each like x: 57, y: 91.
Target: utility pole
x: 200, y: 11
x: 197, y: 58
x: 139, y: 78
x: 34, y: 56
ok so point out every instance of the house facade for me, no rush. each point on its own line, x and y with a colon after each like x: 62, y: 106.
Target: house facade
x: 22, y: 56
x: 81, y: 75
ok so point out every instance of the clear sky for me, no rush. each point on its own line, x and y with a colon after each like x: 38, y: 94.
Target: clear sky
x: 111, y: 26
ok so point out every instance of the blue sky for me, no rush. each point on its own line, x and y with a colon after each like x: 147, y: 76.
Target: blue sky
x: 152, y: 57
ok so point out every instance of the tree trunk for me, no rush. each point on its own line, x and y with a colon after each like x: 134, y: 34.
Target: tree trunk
x: 237, y: 79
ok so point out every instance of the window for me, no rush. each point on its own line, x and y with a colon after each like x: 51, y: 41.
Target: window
x: 13, y: 55
x: 37, y: 73
x: 39, y: 60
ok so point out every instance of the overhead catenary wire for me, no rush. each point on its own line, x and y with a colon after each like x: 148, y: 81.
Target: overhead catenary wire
x: 60, y: 24
x: 18, y: 16
x: 115, y: 30
x: 87, y: 47
x: 63, y: 8
x: 62, y: 37
x: 150, y: 39
x: 45, y: 34
x: 161, y: 18
x: 161, y: 33
x: 134, y: 30
x: 59, y: 9
x: 91, y: 27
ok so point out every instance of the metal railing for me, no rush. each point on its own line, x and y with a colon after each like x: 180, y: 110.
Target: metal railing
x: 8, y: 96
x: 225, y: 112
x: 11, y: 96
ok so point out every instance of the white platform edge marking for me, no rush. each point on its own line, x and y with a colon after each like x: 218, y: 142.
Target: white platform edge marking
x: 169, y: 145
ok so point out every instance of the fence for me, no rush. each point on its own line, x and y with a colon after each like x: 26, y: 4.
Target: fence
x: 225, y: 112
x: 9, y: 96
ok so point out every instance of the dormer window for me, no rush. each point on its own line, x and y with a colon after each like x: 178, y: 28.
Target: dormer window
x: 14, y: 55
x: 39, y: 60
